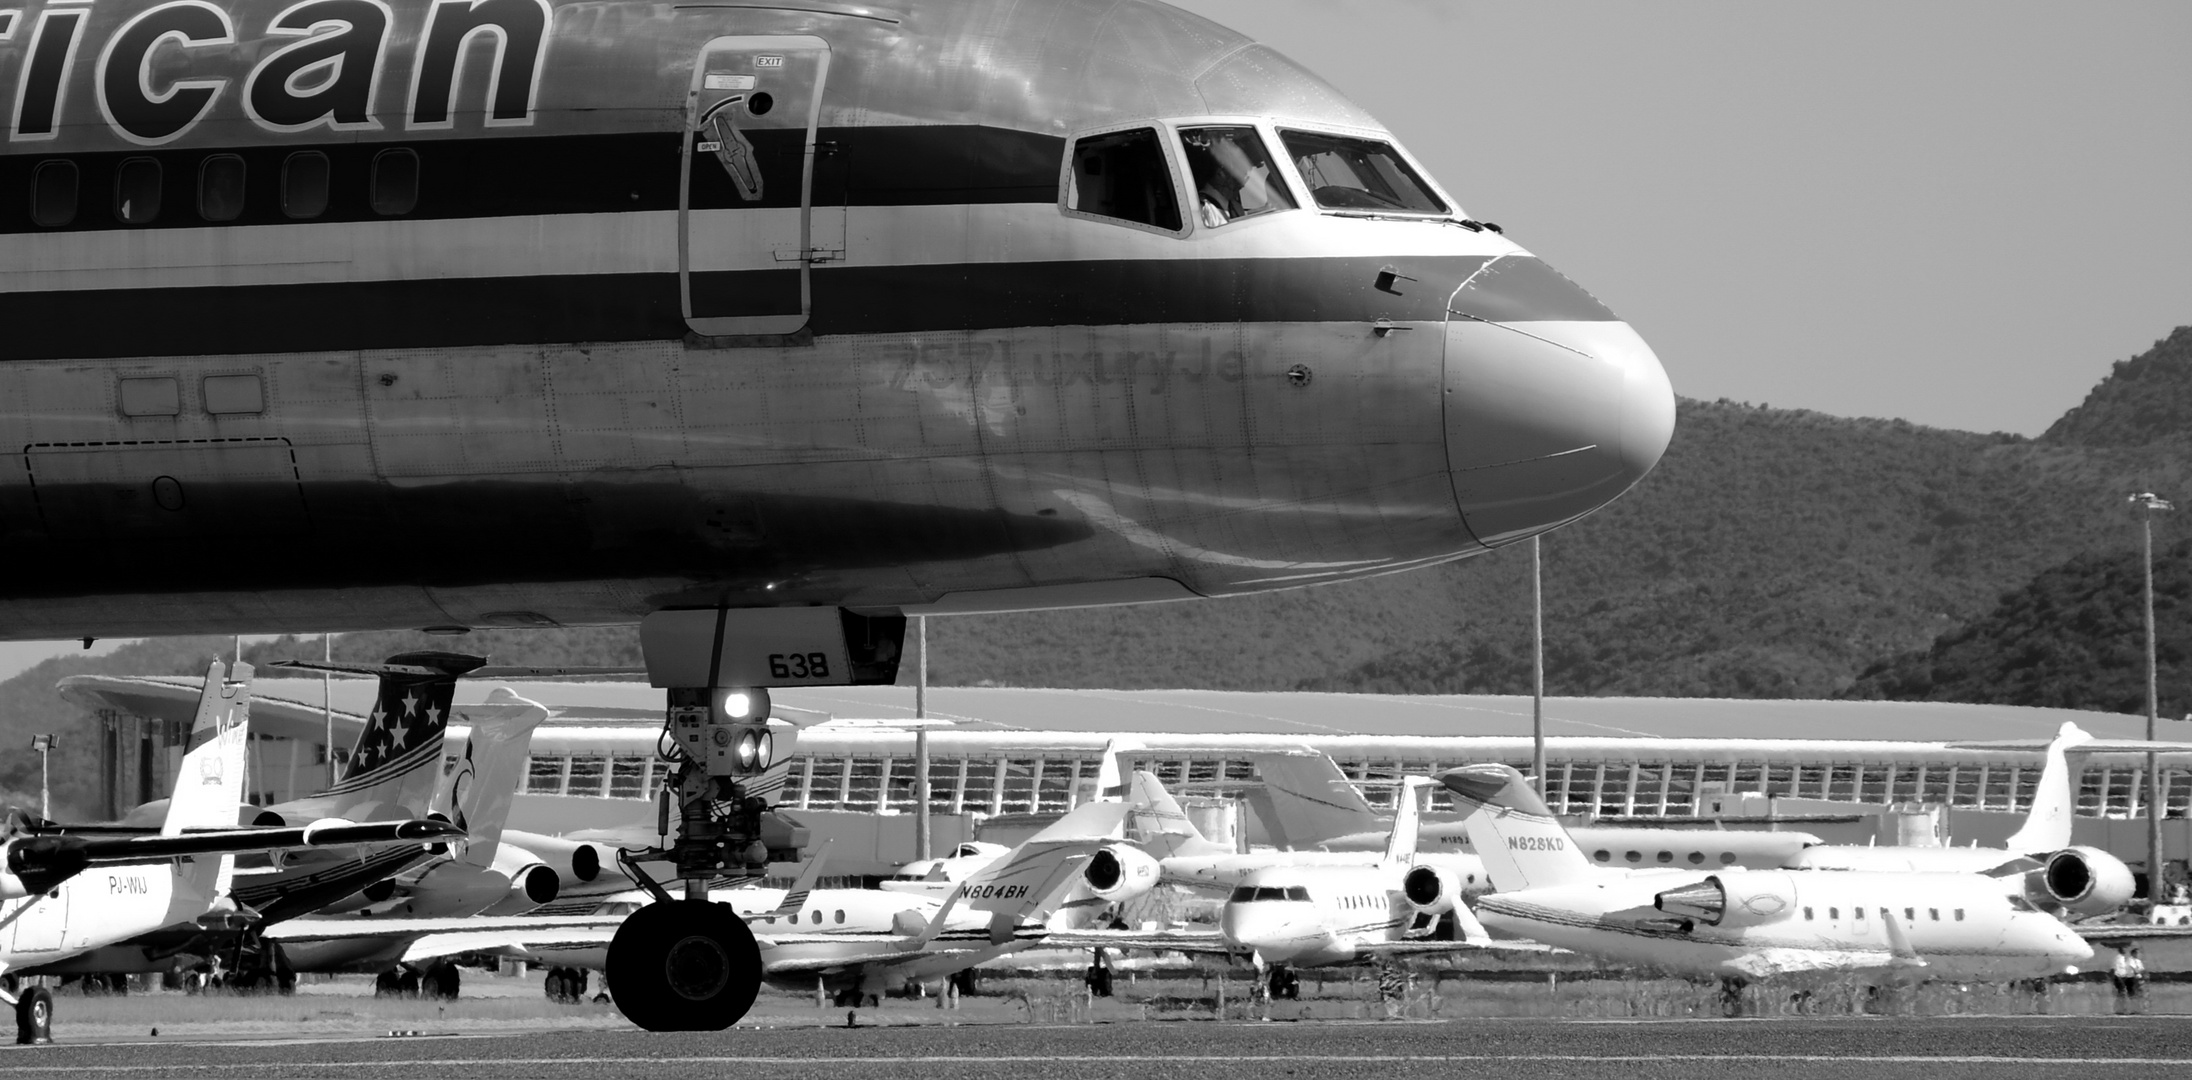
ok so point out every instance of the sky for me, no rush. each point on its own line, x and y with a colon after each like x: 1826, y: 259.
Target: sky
x: 1955, y: 213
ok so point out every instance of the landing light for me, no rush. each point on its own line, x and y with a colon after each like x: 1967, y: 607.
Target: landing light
x: 737, y: 704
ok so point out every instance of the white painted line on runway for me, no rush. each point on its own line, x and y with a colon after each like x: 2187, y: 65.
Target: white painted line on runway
x: 1115, y: 1059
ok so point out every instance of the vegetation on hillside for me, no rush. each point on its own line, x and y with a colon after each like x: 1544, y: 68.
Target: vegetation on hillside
x: 2074, y: 637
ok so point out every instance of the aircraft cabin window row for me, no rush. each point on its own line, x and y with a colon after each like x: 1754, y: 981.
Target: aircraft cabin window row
x: 1910, y: 915
x: 1696, y: 858
x: 305, y: 186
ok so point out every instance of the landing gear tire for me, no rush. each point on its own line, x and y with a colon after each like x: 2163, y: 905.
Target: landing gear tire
x: 442, y: 982
x: 684, y: 965
x: 34, y: 1017
x: 566, y: 985
x: 1285, y: 985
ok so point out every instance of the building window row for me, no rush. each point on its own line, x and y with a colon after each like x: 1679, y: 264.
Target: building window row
x: 303, y: 183
x: 1056, y: 783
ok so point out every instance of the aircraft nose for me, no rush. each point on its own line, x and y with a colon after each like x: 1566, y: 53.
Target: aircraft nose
x: 1553, y: 405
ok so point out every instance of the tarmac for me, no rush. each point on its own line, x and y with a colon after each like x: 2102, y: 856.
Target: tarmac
x: 1932, y: 1048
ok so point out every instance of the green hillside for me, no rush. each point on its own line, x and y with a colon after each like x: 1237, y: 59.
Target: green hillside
x: 2074, y: 636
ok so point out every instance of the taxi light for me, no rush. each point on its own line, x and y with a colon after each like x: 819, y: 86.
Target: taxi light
x: 765, y: 750
x: 749, y: 747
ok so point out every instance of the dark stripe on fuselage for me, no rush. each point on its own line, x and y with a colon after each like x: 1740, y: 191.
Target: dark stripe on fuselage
x: 572, y: 174
x: 847, y: 300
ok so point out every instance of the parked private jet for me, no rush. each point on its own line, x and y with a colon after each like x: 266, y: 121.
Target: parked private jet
x: 1747, y: 924
x: 1315, y: 806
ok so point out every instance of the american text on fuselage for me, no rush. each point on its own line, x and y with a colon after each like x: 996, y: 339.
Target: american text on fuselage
x: 764, y: 325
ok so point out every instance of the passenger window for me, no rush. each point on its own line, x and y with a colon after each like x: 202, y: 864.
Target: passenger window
x: 818, y: 916
x: 1807, y: 914
x: 395, y: 182
x: 840, y: 915
x: 1122, y: 175
x: 1666, y: 857
x: 137, y: 191
x: 1910, y: 914
x: 1358, y: 174
x: 304, y: 184
x: 1727, y: 858
x: 1935, y: 913
x: 221, y: 188
x: 1636, y: 856
x: 1603, y: 855
x: 53, y: 193
x: 1959, y: 914
x: 1232, y: 174
x: 1697, y: 858
x: 1834, y: 913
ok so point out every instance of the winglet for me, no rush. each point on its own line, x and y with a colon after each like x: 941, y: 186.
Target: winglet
x: 795, y: 898
x: 1899, y: 943
x: 936, y: 924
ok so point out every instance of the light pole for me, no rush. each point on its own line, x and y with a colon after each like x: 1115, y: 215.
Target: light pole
x: 44, y: 745
x: 2148, y: 502
x: 921, y: 737
x: 1537, y: 669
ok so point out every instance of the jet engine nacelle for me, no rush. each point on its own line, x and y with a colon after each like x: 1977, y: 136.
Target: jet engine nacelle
x: 2084, y: 880
x: 1120, y: 872
x: 33, y: 864
x: 575, y: 862
x: 1431, y: 889
x: 456, y: 889
x: 532, y: 882
x: 1745, y: 899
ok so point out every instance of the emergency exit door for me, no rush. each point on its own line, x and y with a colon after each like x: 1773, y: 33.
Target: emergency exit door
x: 747, y: 235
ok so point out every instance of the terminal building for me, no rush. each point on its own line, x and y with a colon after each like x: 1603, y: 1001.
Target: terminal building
x: 1847, y: 771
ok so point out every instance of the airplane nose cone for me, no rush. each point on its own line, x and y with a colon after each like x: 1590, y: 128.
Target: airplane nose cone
x: 1553, y: 405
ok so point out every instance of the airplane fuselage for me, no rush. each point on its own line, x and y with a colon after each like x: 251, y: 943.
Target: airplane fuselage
x: 92, y: 910
x: 1314, y: 916
x: 332, y: 315
x: 1955, y: 926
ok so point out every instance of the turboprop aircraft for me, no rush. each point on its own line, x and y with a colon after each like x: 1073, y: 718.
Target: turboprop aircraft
x: 1747, y: 924
x: 764, y: 326
x: 1316, y: 807
x: 63, y: 895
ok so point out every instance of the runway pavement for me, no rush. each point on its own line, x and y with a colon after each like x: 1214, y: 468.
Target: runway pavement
x: 1932, y: 1049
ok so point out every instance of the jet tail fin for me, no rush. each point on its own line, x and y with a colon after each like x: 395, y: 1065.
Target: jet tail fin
x: 211, y: 783
x: 480, y: 790
x: 2054, y: 800
x: 1522, y: 844
x: 1311, y: 799
x: 1156, y: 821
x: 1111, y: 785
x: 396, y: 760
x: 1400, y: 849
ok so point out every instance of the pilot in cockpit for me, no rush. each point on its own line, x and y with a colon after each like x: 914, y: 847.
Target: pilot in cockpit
x: 1232, y: 174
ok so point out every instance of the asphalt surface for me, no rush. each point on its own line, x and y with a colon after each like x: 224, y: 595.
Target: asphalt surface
x: 1933, y: 1049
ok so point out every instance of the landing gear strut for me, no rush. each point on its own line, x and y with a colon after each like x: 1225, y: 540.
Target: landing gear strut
x: 691, y: 964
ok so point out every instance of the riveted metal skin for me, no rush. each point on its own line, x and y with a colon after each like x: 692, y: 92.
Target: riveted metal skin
x: 540, y: 312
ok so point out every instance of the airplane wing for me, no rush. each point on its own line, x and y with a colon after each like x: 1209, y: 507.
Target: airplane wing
x: 2131, y: 931
x: 1192, y: 942
x: 77, y: 852
x: 501, y: 928
x: 1430, y: 946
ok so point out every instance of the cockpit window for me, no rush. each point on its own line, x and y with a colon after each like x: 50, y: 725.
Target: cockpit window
x: 1296, y: 892
x: 1242, y: 894
x: 1232, y: 174
x: 1122, y: 175
x: 1358, y: 174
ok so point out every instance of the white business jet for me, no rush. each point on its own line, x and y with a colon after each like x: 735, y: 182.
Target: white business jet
x: 1747, y: 924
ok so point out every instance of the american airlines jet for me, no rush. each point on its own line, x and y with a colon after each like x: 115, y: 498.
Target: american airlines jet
x: 761, y: 326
